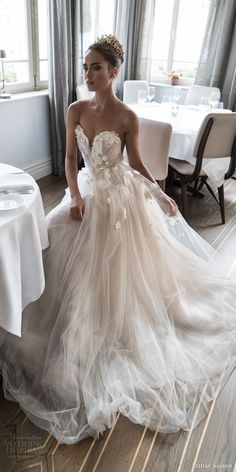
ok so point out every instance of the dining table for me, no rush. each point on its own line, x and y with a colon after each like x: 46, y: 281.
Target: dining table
x: 23, y: 237
x: 185, y: 122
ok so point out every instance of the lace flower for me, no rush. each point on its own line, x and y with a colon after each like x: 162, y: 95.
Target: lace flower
x: 107, y: 173
x: 99, y: 143
x: 172, y: 220
x: 148, y: 194
x: 81, y: 139
x: 126, y: 181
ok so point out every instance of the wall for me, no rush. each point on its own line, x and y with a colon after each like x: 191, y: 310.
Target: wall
x: 25, y: 133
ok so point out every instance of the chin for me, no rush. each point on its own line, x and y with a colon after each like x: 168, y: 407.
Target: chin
x: 90, y: 87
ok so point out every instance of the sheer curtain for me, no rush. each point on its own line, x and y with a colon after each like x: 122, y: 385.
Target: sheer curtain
x: 133, y: 26
x: 217, y: 66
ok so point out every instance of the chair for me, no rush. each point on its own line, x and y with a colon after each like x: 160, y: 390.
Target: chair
x: 82, y: 93
x: 196, y: 92
x: 154, y: 143
x: 130, y: 90
x: 215, y: 139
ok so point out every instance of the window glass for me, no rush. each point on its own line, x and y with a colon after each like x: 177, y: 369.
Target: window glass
x: 161, y: 37
x: 179, y: 29
x: 14, y: 39
x: 99, y: 17
x: 191, y: 27
x: 43, y: 38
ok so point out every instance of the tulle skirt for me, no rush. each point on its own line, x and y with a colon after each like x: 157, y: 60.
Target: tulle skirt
x: 138, y: 316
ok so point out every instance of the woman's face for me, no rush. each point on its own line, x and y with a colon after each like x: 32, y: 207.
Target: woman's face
x: 98, y: 73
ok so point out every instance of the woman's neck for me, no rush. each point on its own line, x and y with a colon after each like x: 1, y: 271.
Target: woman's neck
x: 103, y: 100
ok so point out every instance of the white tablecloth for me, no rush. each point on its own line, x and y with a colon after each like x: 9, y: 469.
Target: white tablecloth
x: 185, y: 126
x: 23, y: 235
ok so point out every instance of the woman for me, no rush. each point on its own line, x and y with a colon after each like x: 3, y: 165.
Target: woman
x: 104, y: 112
x: 137, y: 315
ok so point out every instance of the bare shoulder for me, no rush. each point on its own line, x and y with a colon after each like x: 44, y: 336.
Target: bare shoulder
x: 132, y: 118
x: 129, y: 117
x: 77, y: 108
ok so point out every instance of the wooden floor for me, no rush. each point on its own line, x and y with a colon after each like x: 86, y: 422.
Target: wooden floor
x: 129, y: 447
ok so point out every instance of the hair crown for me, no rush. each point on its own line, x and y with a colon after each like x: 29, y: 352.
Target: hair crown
x: 112, y: 41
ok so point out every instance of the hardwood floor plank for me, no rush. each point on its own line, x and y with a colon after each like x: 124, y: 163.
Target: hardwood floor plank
x: 219, y: 446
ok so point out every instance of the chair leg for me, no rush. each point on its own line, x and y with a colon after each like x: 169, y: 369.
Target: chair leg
x: 222, y: 202
x: 184, y: 198
x: 171, y: 176
x: 202, y: 181
x: 196, y: 185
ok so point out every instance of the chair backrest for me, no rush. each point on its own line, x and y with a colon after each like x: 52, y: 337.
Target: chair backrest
x: 82, y: 92
x: 196, y: 92
x: 219, y: 142
x: 154, y: 143
x: 131, y: 88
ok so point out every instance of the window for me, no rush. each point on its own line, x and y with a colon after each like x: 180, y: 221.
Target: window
x: 23, y: 35
x: 178, y: 33
x: 98, y: 19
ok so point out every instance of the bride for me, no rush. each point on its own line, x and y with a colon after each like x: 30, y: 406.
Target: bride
x: 138, y: 315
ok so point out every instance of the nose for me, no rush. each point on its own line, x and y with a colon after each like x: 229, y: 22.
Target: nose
x: 88, y: 74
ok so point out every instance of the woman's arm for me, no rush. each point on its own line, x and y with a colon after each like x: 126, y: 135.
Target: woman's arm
x: 135, y: 161
x: 77, y: 202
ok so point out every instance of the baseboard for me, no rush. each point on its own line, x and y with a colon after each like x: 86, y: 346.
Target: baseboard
x: 42, y: 169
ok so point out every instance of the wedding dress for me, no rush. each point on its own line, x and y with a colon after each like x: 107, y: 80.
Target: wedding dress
x: 138, y: 314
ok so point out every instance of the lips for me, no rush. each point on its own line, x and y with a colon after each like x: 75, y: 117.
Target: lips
x: 89, y: 83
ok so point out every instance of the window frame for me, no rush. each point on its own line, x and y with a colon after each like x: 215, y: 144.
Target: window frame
x: 185, y: 81
x: 34, y: 82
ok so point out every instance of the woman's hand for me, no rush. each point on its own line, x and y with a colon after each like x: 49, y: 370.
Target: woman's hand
x: 169, y: 204
x: 77, y: 207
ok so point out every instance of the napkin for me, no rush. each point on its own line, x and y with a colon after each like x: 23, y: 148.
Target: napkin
x: 10, y: 182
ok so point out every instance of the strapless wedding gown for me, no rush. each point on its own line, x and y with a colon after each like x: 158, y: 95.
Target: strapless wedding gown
x: 138, y: 315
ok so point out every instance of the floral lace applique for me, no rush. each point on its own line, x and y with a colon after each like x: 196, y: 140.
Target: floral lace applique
x: 148, y: 195
x: 102, y: 157
x: 82, y: 141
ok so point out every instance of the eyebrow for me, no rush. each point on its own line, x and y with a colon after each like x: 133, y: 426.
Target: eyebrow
x: 93, y: 64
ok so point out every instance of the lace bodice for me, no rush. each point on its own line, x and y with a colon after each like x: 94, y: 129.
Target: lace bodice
x: 103, y: 153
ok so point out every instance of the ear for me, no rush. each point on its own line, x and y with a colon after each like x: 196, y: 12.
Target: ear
x: 114, y: 72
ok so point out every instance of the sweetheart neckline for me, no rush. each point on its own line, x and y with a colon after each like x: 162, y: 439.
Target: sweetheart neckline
x: 96, y: 135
